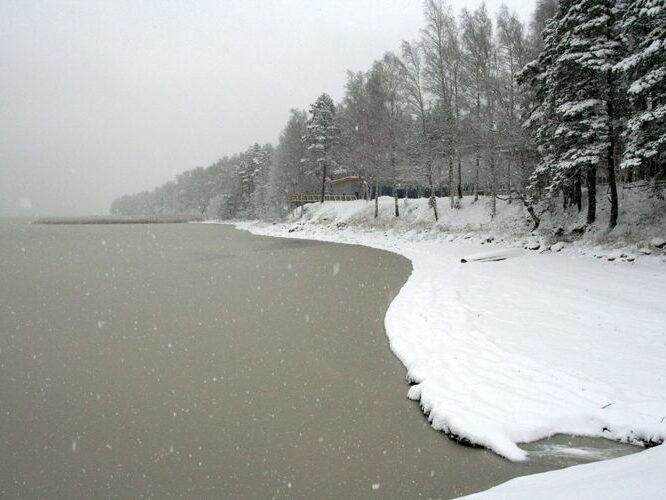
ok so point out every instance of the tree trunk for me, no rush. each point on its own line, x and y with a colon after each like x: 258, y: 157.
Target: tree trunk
x: 432, y: 200
x: 493, y: 186
x: 433, y: 204
x: 530, y: 210
x: 476, y: 179
x: 460, y: 193
x: 610, y: 154
x: 508, y: 181
x: 323, y: 183
x: 612, y: 186
x: 395, y: 186
x: 376, y: 199
x: 456, y: 102
x: 610, y: 157
x: 578, y: 191
x: 478, y: 145
x: 591, y: 194
x: 451, y: 187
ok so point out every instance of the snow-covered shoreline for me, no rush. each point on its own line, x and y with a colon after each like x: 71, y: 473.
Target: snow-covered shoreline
x: 503, y: 353
x: 640, y: 475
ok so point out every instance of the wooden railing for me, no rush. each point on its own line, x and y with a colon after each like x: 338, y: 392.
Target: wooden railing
x: 645, y: 185
x: 313, y: 198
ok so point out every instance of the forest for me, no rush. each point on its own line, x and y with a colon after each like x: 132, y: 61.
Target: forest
x: 561, y: 112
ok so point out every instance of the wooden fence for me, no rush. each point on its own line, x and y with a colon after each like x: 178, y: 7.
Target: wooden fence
x: 313, y: 198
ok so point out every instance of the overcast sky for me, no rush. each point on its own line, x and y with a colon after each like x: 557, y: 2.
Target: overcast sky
x: 99, y: 99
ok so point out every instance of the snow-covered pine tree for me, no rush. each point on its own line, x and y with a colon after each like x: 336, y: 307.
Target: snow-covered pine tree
x: 321, y: 136
x: 259, y: 159
x: 287, y: 174
x: 644, y: 31
x: 574, y: 124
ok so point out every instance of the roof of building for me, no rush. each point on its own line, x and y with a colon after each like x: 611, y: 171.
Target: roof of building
x: 349, y: 178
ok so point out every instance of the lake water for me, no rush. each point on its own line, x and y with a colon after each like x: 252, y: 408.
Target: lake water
x: 200, y: 361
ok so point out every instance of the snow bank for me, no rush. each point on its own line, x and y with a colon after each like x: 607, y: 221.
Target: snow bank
x: 642, y: 222
x: 512, y: 351
x: 634, y: 476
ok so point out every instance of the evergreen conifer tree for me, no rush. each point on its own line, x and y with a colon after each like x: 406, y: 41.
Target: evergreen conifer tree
x: 574, y: 124
x: 644, y: 32
x: 321, y: 136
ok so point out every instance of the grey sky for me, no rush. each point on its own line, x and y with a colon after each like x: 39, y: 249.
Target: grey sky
x: 99, y: 99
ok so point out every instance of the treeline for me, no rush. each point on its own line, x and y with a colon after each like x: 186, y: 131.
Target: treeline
x: 475, y: 106
x: 235, y: 186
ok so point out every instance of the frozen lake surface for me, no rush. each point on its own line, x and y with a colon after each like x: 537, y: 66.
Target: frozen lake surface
x: 200, y: 361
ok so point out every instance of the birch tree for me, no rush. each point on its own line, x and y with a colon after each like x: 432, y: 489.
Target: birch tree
x: 477, y: 47
x: 440, y: 44
x: 419, y: 152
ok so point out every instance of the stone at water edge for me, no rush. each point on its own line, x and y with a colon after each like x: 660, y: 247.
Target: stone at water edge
x: 645, y: 251
x: 618, y: 254
x: 658, y: 242
x: 532, y: 245
x: 557, y: 246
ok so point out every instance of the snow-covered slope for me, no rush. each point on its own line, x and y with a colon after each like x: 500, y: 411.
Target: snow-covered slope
x: 642, y: 220
x: 503, y: 352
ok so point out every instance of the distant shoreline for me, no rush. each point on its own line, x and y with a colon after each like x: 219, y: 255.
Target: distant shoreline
x: 109, y: 219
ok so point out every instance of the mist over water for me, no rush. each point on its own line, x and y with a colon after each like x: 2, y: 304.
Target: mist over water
x: 100, y: 99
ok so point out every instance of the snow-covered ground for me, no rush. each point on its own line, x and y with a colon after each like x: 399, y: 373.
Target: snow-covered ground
x: 635, y: 476
x: 503, y: 352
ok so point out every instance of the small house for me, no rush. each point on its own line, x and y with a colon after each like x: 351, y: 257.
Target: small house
x: 350, y: 185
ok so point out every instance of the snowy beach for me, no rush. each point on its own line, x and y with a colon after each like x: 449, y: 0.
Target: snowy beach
x: 507, y: 352
x: 412, y: 249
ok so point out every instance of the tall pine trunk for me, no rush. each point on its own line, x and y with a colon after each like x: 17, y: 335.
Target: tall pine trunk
x: 578, y: 188
x: 591, y: 194
x: 613, y: 186
x: 323, y: 183
x: 610, y: 155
